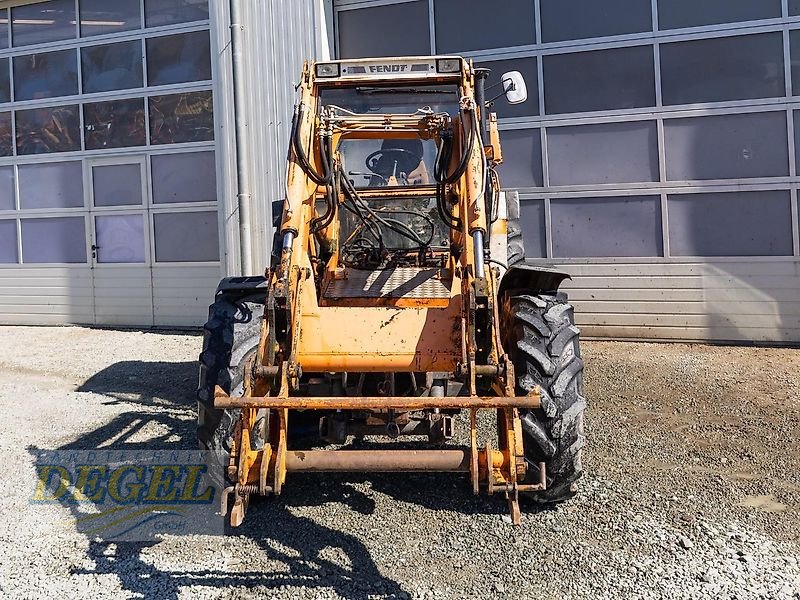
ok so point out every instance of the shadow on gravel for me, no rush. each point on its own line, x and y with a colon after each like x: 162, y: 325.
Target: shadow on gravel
x: 162, y: 415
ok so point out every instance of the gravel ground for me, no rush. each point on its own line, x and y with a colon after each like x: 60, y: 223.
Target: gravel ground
x: 692, y: 488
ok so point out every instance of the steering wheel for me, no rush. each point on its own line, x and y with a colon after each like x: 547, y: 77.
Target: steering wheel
x: 382, y: 162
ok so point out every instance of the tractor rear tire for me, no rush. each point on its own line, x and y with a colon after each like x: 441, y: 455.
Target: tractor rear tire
x: 545, y: 349
x: 231, y: 336
x: 515, y: 245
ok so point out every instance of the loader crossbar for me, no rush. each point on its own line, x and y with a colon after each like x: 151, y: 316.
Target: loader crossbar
x: 222, y: 400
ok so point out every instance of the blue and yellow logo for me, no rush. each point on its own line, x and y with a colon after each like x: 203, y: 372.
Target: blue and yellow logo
x: 130, y: 496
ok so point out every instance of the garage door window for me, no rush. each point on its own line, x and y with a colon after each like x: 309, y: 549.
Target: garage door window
x: 178, y: 58
x: 631, y: 227
x: 578, y: 19
x: 7, y: 201
x: 716, y: 70
x: 101, y: 16
x: 54, y: 240
x: 171, y: 12
x: 120, y: 239
x: 461, y: 25
x: 186, y: 237
x: 727, y: 146
x: 114, y: 124
x: 522, y: 159
x: 392, y: 30
x: 46, y: 75
x: 6, y: 134
x: 111, y: 67
x: 599, y: 80
x: 117, y: 185
x: 45, y: 130
x: 730, y: 224
x: 603, y: 154
x: 187, y: 177
x: 179, y: 118
x: 8, y: 242
x: 532, y: 220
x: 43, y: 22
x: 5, y: 80
x: 528, y: 68
x: 673, y: 14
x: 51, y: 185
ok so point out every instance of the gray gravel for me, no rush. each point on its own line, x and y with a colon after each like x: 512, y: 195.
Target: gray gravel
x: 692, y: 488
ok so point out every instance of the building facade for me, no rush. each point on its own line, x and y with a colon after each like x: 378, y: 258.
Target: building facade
x: 655, y: 159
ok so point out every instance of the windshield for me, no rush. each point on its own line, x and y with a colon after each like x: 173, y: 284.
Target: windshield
x: 383, y: 100
x: 372, y: 163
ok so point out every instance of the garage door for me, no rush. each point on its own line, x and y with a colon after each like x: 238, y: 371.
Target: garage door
x: 108, y: 189
x: 656, y: 158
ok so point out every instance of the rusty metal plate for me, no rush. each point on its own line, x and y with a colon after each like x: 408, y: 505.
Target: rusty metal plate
x: 399, y: 282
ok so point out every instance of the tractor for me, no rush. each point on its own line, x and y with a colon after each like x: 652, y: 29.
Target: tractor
x: 397, y: 304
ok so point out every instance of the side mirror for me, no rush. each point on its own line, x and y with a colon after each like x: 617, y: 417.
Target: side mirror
x: 514, y: 86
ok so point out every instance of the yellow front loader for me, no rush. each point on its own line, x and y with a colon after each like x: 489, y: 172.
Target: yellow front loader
x: 390, y: 306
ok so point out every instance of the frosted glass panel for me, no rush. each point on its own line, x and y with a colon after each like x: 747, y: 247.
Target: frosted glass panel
x: 730, y: 224
x: 117, y: 185
x: 51, y: 185
x: 727, y: 146
x: 190, y: 177
x: 463, y: 25
x: 7, y: 188
x: 716, y: 70
x: 8, y: 242
x: 120, y: 238
x: 392, y: 30
x: 606, y: 227
x: 533, y: 228
x: 187, y: 236
x: 522, y: 159
x: 577, y: 19
x: 605, y: 153
x: 60, y: 240
x: 673, y: 14
x: 599, y: 80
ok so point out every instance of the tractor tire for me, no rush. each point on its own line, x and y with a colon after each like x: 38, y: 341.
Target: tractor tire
x: 515, y: 249
x: 231, y: 336
x: 545, y: 349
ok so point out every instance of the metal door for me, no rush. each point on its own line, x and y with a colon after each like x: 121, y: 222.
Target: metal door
x: 120, y: 240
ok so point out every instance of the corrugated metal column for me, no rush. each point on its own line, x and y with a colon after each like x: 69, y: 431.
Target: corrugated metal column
x: 241, y: 130
x: 279, y: 36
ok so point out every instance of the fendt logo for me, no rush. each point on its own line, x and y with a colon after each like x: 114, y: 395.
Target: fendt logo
x: 388, y: 68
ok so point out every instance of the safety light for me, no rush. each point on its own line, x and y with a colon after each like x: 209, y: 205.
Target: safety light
x: 327, y: 70
x: 448, y: 65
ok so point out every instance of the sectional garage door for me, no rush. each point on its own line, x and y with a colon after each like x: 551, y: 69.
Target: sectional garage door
x: 108, y: 191
x: 657, y: 158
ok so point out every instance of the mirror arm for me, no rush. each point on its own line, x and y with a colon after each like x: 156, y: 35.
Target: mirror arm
x: 510, y: 88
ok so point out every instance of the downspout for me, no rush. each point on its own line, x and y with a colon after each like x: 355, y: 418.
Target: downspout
x: 244, y: 195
